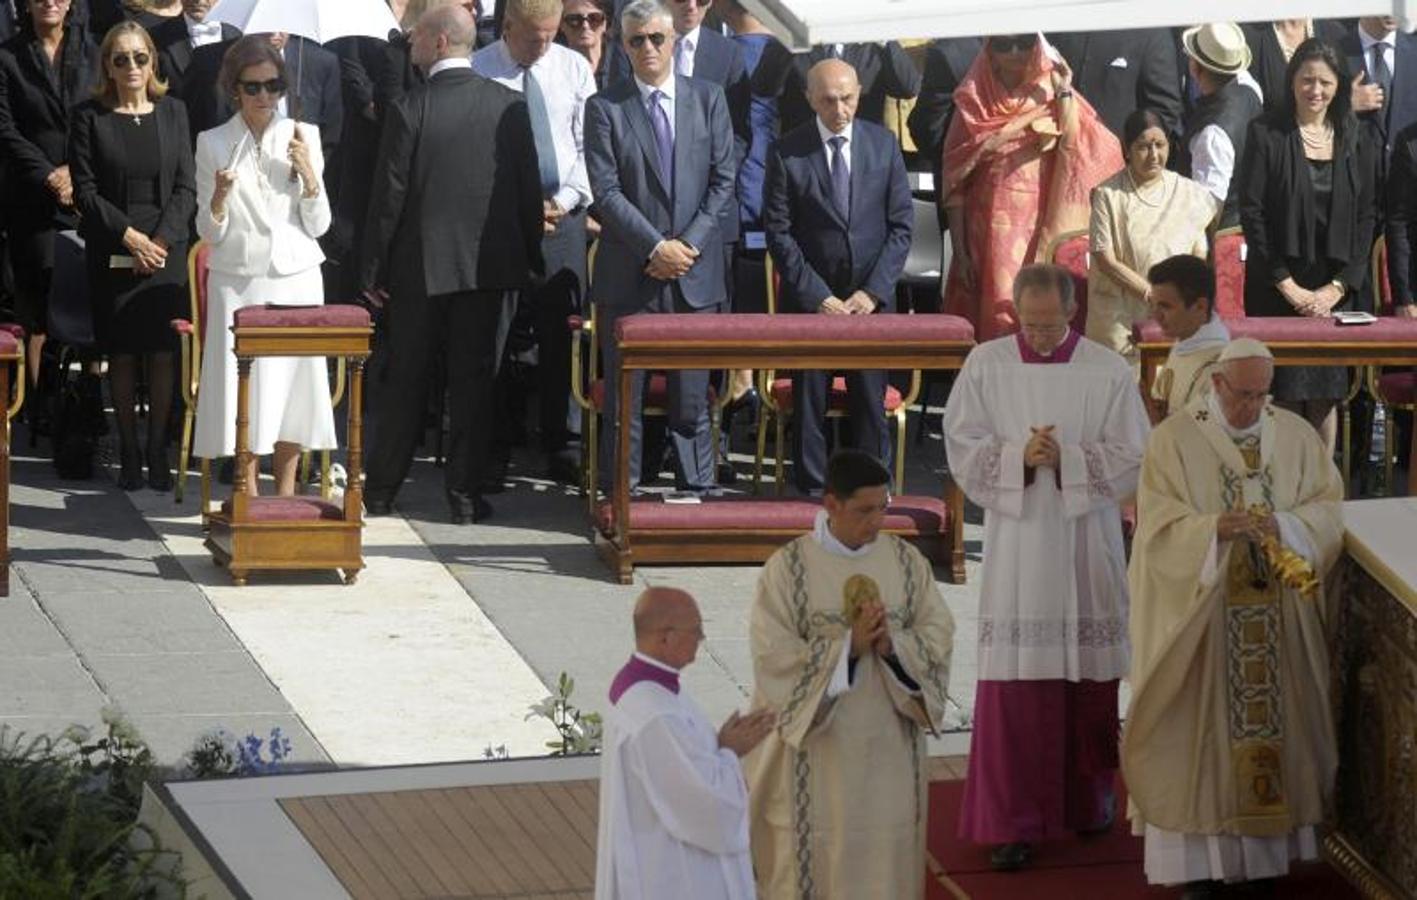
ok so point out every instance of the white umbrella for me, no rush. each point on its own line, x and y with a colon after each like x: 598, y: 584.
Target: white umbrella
x: 321, y: 21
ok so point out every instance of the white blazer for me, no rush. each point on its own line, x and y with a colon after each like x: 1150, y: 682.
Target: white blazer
x: 269, y: 228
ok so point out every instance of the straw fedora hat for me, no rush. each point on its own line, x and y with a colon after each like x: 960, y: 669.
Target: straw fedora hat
x: 1218, y: 46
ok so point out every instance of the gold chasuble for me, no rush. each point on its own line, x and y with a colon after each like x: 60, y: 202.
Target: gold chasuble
x: 1229, y: 730
x: 837, y: 792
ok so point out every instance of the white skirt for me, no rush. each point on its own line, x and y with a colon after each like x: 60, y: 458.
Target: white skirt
x: 290, y: 396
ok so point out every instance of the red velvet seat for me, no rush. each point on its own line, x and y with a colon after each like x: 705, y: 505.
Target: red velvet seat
x: 335, y: 315
x: 915, y: 515
x: 1285, y: 329
x: 1398, y: 388
x: 752, y: 329
x: 836, y: 399
x: 288, y: 509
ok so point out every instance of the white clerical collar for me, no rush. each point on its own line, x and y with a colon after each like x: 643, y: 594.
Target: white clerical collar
x: 452, y: 62
x: 647, y: 90
x: 1218, y: 415
x: 822, y: 534
x: 654, y: 662
x: 1387, y: 40
x: 1210, y: 334
x: 827, y: 134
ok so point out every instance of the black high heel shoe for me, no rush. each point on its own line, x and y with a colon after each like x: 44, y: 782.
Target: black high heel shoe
x: 130, y: 469
x: 748, y: 400
x: 159, y: 474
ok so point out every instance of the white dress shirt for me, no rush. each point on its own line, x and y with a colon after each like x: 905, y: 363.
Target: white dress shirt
x: 202, y: 33
x: 684, y: 49
x: 647, y: 94
x: 1389, y: 45
x: 566, y: 81
x: 826, y: 135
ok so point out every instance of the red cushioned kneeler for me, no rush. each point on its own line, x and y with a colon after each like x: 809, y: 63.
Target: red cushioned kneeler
x: 251, y: 534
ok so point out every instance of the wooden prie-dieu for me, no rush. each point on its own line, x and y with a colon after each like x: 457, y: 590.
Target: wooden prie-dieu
x: 251, y: 534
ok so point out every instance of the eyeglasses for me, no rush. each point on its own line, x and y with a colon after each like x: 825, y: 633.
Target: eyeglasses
x: 254, y: 88
x: 582, y: 20
x: 1244, y: 396
x: 657, y: 38
x: 1043, y: 329
x: 130, y: 60
x: 1010, y: 43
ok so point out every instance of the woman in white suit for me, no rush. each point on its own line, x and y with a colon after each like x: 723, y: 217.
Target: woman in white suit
x: 261, y: 207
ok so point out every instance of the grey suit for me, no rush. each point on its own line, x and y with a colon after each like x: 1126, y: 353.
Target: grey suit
x: 637, y: 211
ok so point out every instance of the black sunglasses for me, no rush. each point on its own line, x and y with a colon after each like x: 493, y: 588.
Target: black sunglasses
x: 254, y: 88
x: 657, y: 38
x: 127, y: 60
x: 1011, y: 42
x: 581, y: 20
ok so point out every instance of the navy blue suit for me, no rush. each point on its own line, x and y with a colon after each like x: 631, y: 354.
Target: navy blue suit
x: 637, y: 211
x: 820, y: 254
x: 1400, y: 109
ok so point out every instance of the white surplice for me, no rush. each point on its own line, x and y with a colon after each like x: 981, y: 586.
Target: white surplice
x: 673, y: 804
x: 1053, y: 591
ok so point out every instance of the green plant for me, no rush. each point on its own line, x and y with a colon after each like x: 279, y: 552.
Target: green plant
x: 68, y: 817
x: 580, y: 732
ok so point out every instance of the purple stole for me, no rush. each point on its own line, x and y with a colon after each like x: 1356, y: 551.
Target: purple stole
x: 1063, y: 353
x: 637, y: 670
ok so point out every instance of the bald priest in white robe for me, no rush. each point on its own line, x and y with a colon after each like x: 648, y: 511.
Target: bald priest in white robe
x: 1045, y: 430
x: 851, y: 643
x: 1229, y: 750
x: 1182, y: 300
x: 673, y: 802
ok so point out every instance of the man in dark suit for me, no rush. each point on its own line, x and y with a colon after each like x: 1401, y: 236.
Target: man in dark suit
x: 884, y: 70
x: 453, y: 226
x: 1384, y: 63
x: 838, y: 217
x: 1120, y: 72
x: 660, y: 155
x: 190, y: 50
x: 946, y: 63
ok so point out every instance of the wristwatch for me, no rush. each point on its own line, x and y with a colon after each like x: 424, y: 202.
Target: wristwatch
x: 1342, y: 288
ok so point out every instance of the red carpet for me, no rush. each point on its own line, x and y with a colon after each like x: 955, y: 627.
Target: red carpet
x: 1107, y: 867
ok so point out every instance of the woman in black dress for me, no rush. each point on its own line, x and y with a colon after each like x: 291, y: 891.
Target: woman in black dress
x: 45, y: 71
x: 1308, y: 209
x: 134, y: 184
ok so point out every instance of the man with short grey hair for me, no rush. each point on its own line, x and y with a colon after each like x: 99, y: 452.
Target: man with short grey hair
x: 659, y: 151
x: 1045, y: 430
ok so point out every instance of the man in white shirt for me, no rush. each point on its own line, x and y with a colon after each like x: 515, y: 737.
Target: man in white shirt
x: 190, y: 49
x: 1215, y: 128
x: 556, y: 82
x: 673, y: 803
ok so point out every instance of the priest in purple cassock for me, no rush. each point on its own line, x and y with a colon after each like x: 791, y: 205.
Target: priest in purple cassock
x: 673, y: 803
x: 1045, y: 430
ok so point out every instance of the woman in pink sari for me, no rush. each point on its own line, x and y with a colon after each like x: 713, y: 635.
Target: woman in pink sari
x: 1021, y: 158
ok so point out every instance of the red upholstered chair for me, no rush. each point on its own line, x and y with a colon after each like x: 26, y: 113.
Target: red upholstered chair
x: 1393, y: 389
x: 17, y: 382
x: 192, y: 333
x: 1071, y: 251
x: 588, y: 388
x: 1227, y: 257
x: 777, y: 406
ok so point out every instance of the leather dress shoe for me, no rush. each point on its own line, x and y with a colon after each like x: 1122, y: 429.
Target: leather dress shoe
x: 1010, y: 857
x: 749, y: 400
x: 466, y: 509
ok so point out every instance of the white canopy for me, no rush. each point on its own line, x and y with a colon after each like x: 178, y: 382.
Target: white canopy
x: 802, y: 23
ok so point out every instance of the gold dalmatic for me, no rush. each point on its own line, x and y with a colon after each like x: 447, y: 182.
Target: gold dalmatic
x: 1254, y: 634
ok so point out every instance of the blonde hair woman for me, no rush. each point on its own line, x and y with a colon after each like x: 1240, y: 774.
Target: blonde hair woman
x: 133, y: 186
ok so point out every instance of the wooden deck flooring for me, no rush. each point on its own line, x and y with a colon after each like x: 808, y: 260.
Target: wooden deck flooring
x: 533, y: 841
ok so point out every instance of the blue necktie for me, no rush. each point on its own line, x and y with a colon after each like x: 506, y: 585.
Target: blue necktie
x: 541, y: 132
x: 841, y: 178
x: 664, y: 137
